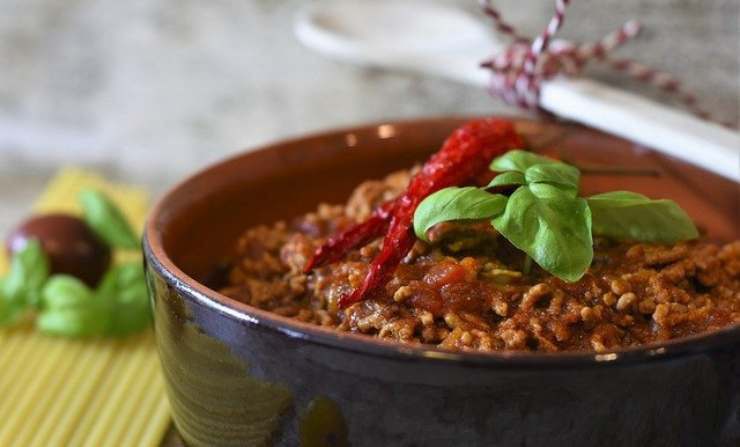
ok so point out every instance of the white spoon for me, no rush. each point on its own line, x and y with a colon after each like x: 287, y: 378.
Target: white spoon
x: 436, y: 39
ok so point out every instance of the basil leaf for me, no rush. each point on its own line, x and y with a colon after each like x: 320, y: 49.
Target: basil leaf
x: 518, y: 160
x: 71, y: 309
x: 456, y: 204
x: 72, y: 322
x: 133, y: 311
x: 29, y: 269
x: 559, y: 174
x: 107, y: 220
x: 124, y: 288
x: 548, y: 191
x: 65, y: 292
x: 121, y: 277
x: 9, y: 311
x: 554, y: 232
x: 507, y: 179
x: 625, y: 215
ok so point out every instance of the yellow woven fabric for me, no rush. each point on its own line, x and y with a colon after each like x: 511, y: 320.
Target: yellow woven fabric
x: 90, y: 393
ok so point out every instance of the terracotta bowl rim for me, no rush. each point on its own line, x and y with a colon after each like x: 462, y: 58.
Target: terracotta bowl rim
x: 158, y: 259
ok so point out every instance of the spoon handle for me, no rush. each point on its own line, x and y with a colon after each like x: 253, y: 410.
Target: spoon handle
x: 675, y: 133
x: 627, y: 115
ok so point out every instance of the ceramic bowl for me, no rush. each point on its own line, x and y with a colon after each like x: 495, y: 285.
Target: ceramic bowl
x: 240, y: 376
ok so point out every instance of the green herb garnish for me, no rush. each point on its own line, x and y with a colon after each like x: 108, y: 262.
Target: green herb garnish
x: 545, y: 218
x: 20, y: 289
x: 70, y: 308
x: 627, y: 215
x: 119, y: 306
x: 124, y: 289
x: 107, y: 221
x: 456, y: 204
x: 555, y: 231
x: 66, y: 306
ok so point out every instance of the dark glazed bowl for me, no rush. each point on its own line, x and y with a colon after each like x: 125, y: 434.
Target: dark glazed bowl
x: 239, y: 376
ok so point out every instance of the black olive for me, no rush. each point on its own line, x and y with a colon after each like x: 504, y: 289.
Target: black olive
x: 72, y: 247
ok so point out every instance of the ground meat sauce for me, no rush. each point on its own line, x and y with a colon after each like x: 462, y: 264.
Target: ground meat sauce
x: 467, y: 289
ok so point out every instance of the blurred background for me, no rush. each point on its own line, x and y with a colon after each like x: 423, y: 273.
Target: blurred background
x: 146, y: 91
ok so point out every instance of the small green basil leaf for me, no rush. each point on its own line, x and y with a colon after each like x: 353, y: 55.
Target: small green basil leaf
x: 507, y: 179
x: 548, y: 191
x: 559, y: 174
x: 133, y: 311
x: 71, y: 309
x: 29, y: 269
x: 107, y: 220
x: 554, y: 232
x: 9, y: 311
x: 66, y: 292
x: 625, y: 215
x: 518, y: 160
x: 109, y: 285
x: 82, y: 322
x: 456, y: 204
x: 121, y: 277
x: 124, y: 289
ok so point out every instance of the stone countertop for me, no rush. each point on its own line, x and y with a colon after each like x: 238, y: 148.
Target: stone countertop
x: 146, y: 91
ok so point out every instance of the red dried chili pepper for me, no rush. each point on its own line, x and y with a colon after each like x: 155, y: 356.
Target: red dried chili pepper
x: 337, y: 246
x: 465, y: 154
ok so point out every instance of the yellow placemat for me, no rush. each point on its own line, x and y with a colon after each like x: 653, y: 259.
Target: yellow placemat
x: 90, y: 393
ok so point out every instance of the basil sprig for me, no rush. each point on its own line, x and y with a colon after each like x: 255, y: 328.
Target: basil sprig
x: 545, y: 218
x: 68, y: 307
x: 107, y: 220
x: 119, y: 306
x: 554, y: 231
x: 20, y: 289
x: 124, y: 289
x: 456, y: 204
x: 627, y: 215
